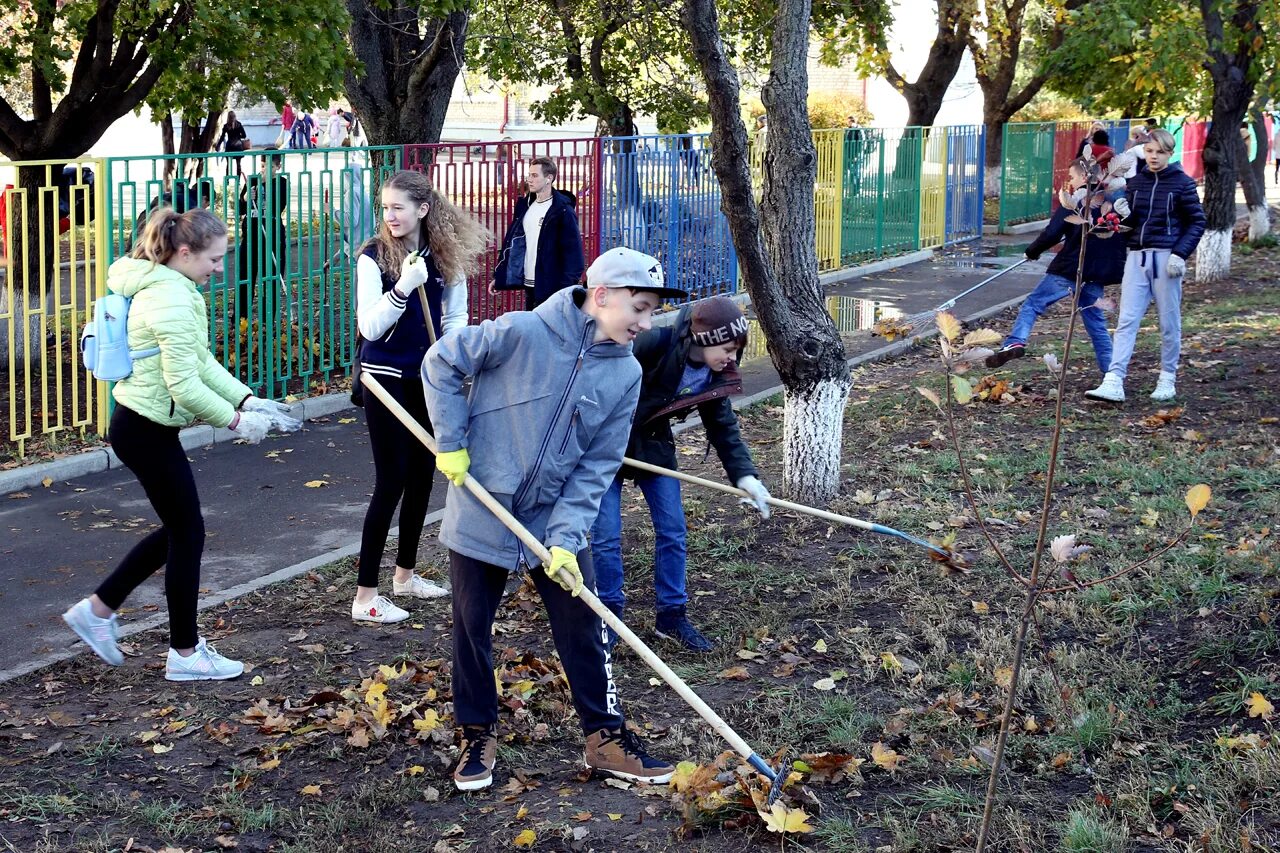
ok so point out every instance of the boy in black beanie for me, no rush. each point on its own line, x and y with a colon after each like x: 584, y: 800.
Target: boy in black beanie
x: 691, y: 364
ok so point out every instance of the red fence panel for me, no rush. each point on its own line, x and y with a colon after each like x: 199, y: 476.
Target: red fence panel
x: 487, y: 179
x: 1193, y: 137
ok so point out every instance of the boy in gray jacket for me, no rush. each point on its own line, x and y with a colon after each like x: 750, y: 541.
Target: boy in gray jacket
x: 553, y: 392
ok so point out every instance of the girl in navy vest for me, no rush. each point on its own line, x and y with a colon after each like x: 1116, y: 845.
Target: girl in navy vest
x: 424, y: 241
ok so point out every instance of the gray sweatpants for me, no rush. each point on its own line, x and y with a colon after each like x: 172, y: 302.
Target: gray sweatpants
x: 1146, y: 277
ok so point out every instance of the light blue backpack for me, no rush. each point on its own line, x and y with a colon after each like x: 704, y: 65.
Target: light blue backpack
x: 104, y: 343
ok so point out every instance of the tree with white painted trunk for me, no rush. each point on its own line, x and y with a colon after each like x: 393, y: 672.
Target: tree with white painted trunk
x: 775, y: 239
x: 1234, y: 39
x: 1253, y: 174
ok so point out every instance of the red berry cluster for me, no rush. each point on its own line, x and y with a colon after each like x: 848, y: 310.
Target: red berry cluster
x: 1109, y: 221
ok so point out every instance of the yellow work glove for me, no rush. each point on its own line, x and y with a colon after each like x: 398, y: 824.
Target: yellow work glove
x: 454, y: 465
x: 564, y: 570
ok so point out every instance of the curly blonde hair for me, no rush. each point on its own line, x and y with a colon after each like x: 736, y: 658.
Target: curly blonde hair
x: 455, y: 237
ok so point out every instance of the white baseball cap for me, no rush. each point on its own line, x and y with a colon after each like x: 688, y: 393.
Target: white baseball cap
x: 623, y: 267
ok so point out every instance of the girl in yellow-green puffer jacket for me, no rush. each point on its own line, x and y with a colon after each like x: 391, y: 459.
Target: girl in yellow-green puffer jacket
x: 166, y: 391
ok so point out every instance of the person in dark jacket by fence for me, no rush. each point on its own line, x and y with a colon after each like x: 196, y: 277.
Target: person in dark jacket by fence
x: 1103, y: 265
x: 688, y: 366
x: 1167, y: 223
x: 542, y: 251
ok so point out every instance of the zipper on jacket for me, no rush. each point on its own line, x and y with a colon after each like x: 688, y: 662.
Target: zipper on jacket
x: 1151, y: 207
x: 573, y: 422
x: 173, y: 404
x: 546, y: 439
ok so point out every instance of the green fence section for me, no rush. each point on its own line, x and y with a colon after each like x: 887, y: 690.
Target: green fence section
x: 1026, y: 172
x: 881, y: 211
x: 282, y: 310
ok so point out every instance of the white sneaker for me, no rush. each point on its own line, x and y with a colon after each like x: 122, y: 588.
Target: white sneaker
x: 418, y: 587
x: 98, y: 634
x: 381, y: 609
x: 1111, y: 389
x: 204, y: 664
x: 1166, y: 388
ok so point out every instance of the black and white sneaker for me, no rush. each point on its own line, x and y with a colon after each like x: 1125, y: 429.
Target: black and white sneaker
x: 1008, y: 352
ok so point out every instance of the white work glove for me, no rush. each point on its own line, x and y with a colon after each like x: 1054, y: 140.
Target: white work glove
x: 1121, y: 207
x: 281, y: 420
x: 1177, y: 267
x: 759, y: 495
x: 252, y: 426
x: 413, y: 272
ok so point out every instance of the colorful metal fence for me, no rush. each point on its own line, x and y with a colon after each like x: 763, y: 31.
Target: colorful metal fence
x: 487, y: 179
x: 52, y: 239
x: 662, y: 198
x: 281, y: 312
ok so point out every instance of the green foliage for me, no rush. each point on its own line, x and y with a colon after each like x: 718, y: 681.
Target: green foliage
x: 831, y: 109
x: 857, y: 30
x: 305, y: 62
x: 201, y: 48
x: 1134, y: 57
x: 609, y: 61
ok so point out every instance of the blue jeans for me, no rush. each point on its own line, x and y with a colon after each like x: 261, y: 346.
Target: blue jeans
x: 667, y: 511
x: 1051, y: 289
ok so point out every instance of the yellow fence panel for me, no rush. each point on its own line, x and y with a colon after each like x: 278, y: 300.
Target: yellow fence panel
x: 828, y: 191
x: 828, y: 194
x: 52, y: 266
x: 933, y: 189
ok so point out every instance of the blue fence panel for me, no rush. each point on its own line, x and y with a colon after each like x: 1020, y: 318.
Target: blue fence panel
x: 966, y: 154
x: 662, y: 198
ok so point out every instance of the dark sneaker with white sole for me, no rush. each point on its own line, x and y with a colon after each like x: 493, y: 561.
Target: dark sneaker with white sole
x: 675, y: 625
x: 1006, y: 353
x: 479, y: 754
x: 620, y: 753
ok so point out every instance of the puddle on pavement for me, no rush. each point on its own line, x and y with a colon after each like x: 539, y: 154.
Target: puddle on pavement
x: 979, y: 257
x: 849, y: 313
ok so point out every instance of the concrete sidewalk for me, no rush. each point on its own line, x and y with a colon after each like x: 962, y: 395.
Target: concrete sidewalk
x: 261, y: 515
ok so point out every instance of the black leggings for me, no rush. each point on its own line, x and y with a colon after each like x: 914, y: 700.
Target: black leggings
x: 403, y: 467
x: 154, y: 455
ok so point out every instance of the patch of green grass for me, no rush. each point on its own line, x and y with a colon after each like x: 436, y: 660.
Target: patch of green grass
x: 21, y: 804
x: 962, y: 674
x: 173, y: 820
x: 1233, y: 699
x: 1086, y: 830
x: 844, y: 721
x: 948, y: 798
x: 841, y: 833
x: 101, y: 751
x: 1091, y: 730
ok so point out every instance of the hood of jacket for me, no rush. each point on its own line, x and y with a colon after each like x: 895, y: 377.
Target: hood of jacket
x: 563, y: 315
x: 130, y: 276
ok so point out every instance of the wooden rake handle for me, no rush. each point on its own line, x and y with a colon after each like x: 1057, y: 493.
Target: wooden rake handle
x: 587, y: 596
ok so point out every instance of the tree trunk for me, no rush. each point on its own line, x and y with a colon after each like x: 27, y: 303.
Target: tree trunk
x: 924, y: 96
x: 1229, y: 66
x: 1254, y: 179
x: 993, y: 173
x: 166, y: 145
x: 775, y: 242
x: 403, y: 93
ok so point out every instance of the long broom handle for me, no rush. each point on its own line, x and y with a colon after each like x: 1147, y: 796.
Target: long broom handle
x: 950, y: 303
x: 588, y: 597
x: 781, y: 504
